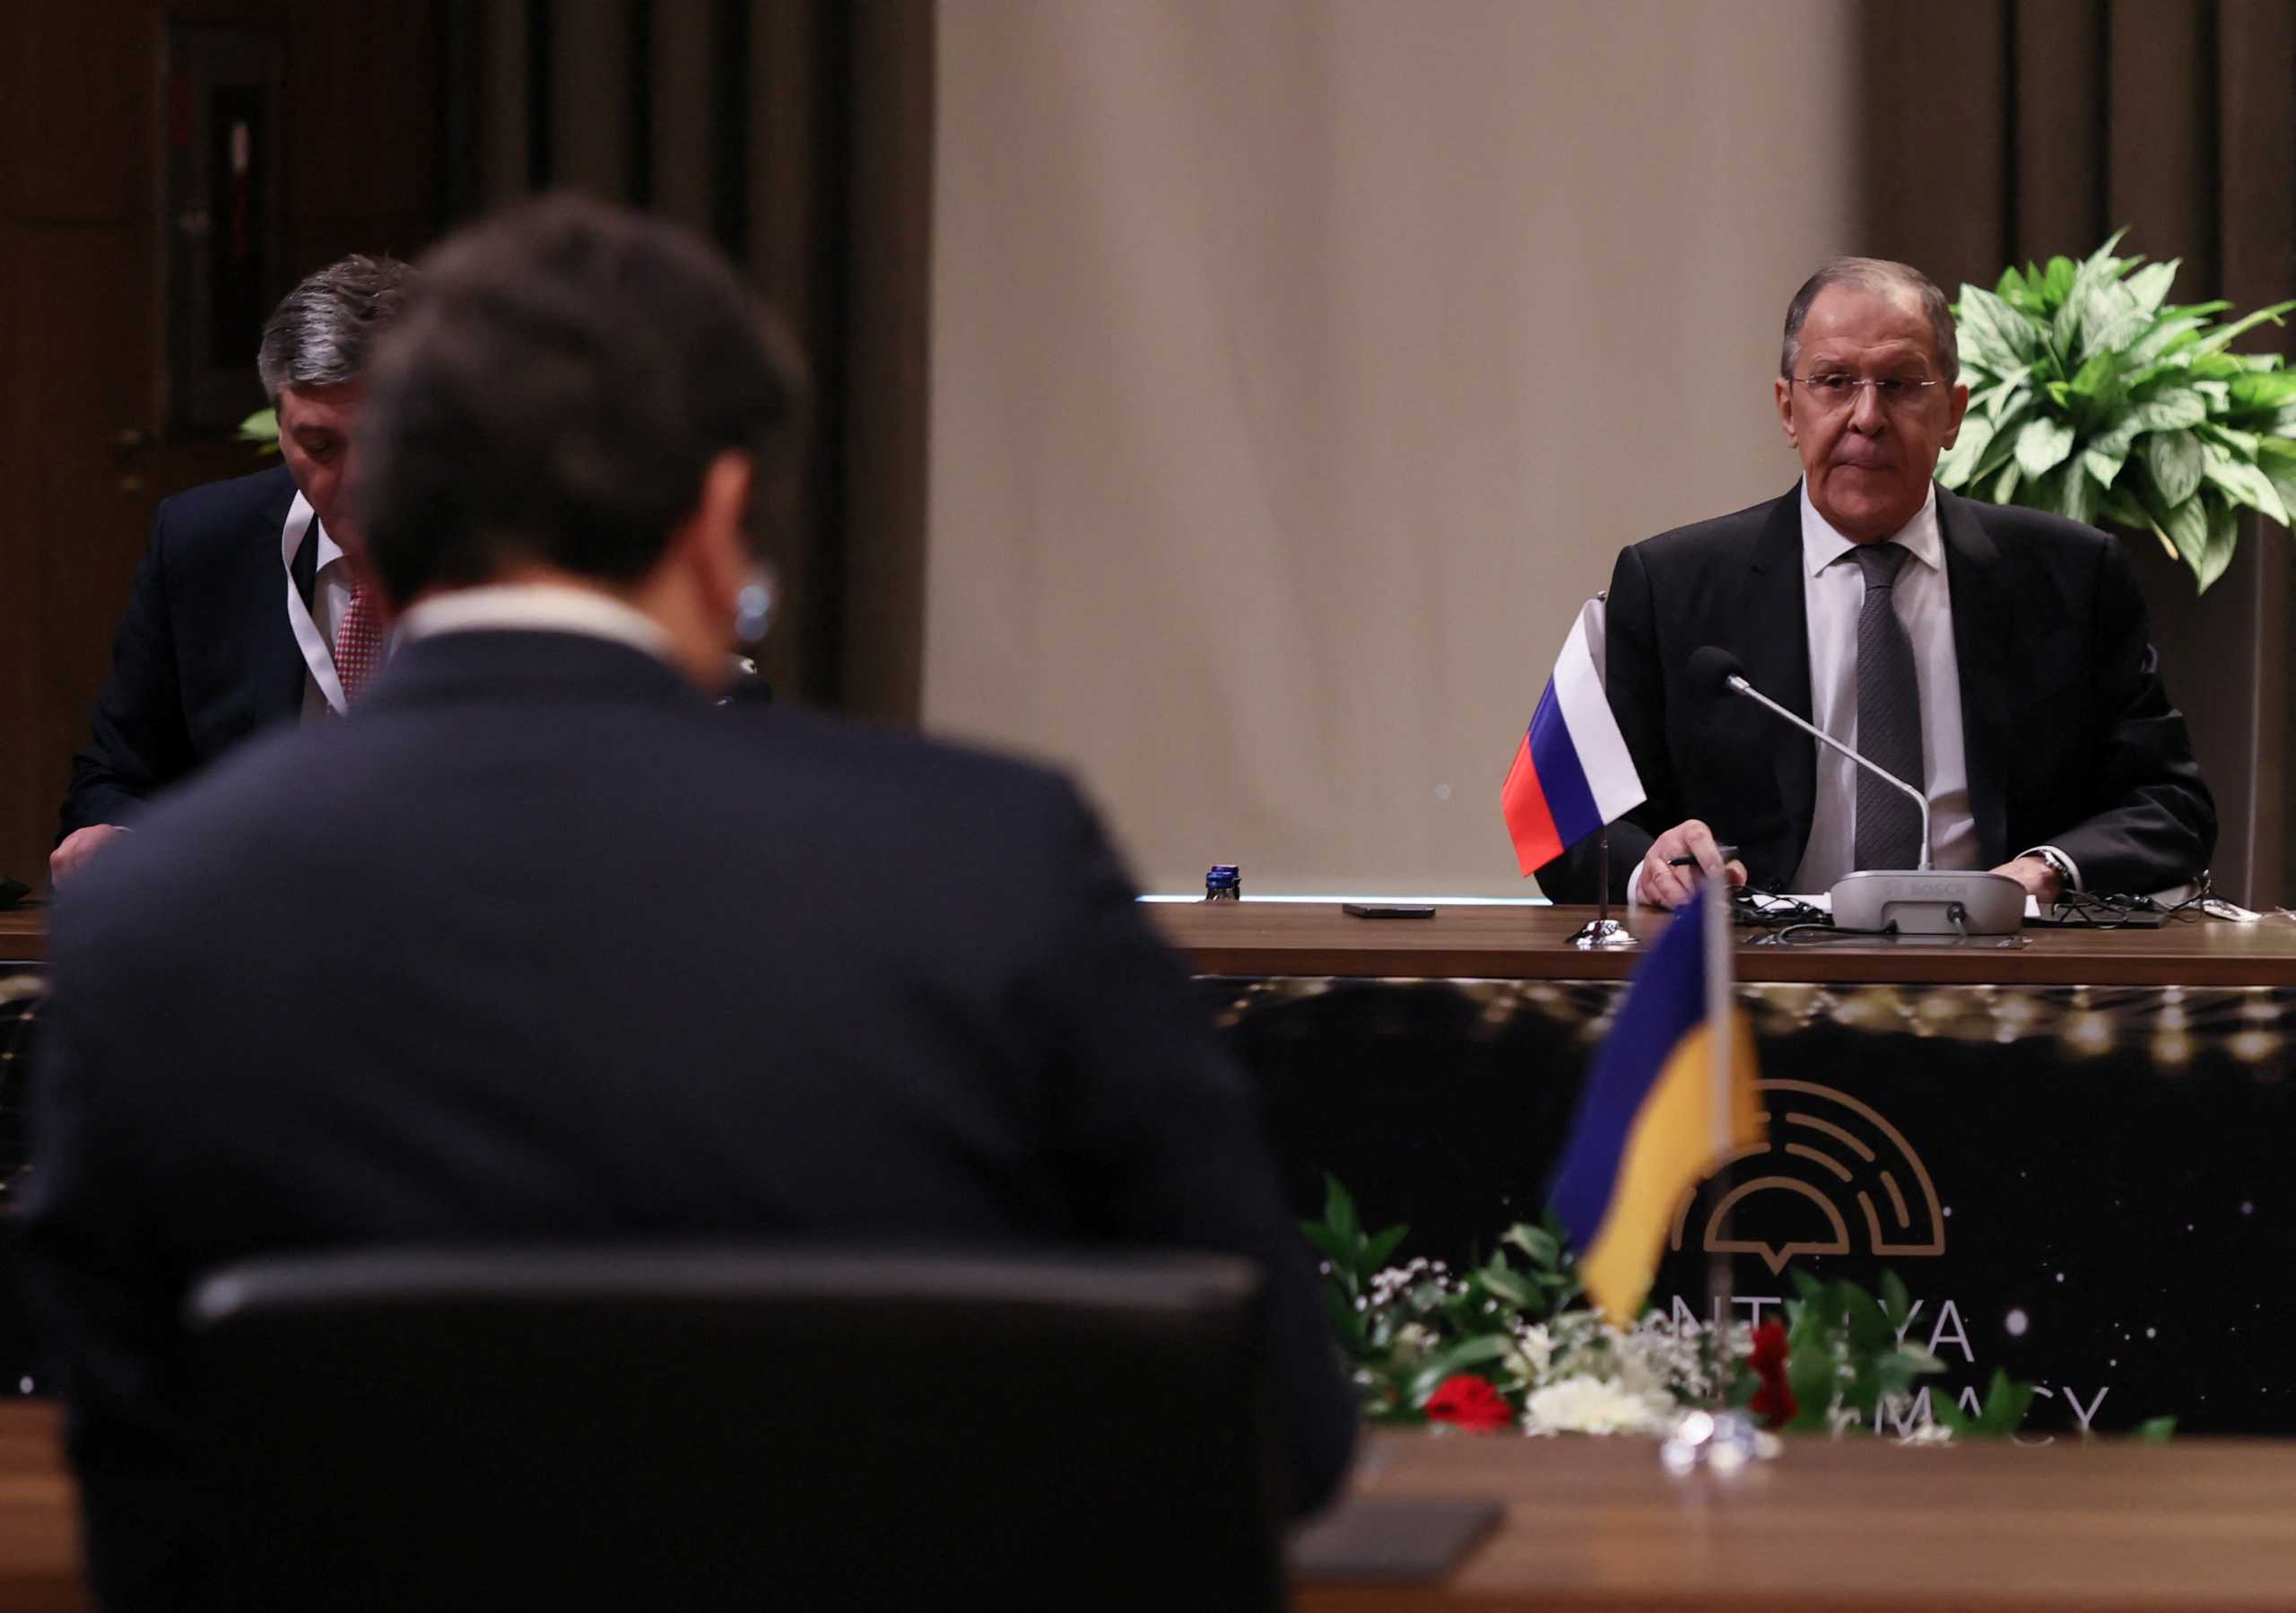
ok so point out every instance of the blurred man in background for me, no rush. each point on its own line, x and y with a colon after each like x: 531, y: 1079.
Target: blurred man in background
x: 246, y: 613
x: 358, y: 985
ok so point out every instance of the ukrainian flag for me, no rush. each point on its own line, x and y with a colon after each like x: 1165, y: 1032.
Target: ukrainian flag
x: 1648, y: 1127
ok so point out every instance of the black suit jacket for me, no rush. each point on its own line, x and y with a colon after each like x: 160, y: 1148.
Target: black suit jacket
x: 2069, y: 735
x: 538, y: 945
x: 205, y: 658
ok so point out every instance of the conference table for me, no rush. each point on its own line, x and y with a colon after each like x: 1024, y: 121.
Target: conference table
x: 2071, y: 1144
x: 1598, y: 1524
x: 2073, y: 1147
x: 1528, y: 941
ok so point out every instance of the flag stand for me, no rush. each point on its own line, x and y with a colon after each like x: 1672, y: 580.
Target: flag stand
x: 1602, y: 930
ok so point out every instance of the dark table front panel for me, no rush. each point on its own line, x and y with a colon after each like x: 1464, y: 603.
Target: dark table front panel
x: 2089, y: 1186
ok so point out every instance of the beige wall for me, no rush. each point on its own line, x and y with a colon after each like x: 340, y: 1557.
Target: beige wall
x: 1299, y: 368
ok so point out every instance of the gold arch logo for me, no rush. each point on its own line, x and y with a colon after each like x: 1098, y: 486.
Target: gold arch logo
x: 1831, y: 1163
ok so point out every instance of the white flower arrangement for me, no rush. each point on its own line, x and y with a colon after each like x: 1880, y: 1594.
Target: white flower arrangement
x: 1583, y: 1404
x: 1507, y: 1342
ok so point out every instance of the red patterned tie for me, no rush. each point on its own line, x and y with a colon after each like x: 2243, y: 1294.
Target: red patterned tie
x: 358, y: 645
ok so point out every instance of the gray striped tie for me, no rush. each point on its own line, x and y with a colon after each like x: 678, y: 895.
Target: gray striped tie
x: 1889, y: 717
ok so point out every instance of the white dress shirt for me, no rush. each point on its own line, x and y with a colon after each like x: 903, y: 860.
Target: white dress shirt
x: 1833, y: 593
x: 316, y: 625
x: 537, y: 608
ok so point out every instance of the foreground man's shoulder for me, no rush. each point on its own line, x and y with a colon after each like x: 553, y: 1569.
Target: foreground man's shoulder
x: 870, y: 754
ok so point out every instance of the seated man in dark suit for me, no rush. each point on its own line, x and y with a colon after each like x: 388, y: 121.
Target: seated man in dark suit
x: 1998, y: 658
x: 538, y: 945
x: 245, y: 600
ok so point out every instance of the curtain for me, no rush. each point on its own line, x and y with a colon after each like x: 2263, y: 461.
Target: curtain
x: 799, y: 135
x: 1300, y: 367
x: 2008, y: 130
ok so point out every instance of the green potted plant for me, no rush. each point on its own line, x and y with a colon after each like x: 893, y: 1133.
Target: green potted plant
x: 262, y: 429
x: 2091, y: 395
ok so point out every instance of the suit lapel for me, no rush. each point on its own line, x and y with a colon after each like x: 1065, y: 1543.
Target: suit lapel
x: 1982, y: 635
x: 1772, y: 635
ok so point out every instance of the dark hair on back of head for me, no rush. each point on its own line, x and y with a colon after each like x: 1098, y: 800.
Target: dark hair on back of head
x: 565, y: 376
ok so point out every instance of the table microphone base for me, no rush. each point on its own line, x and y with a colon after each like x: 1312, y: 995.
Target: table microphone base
x: 1603, y: 933
x: 1930, y: 904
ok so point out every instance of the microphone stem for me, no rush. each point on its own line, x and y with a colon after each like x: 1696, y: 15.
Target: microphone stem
x: 1920, y: 800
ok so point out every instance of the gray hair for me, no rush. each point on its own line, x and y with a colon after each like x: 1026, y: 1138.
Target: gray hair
x: 1881, y: 275
x: 321, y: 332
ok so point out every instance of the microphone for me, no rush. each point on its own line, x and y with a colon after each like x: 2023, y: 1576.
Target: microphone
x: 1917, y: 903
x: 1715, y: 669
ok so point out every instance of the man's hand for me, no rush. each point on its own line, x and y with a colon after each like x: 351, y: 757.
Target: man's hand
x: 2037, y: 874
x: 1664, y: 887
x: 79, y: 848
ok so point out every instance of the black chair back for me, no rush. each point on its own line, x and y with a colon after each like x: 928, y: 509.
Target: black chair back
x: 641, y: 1430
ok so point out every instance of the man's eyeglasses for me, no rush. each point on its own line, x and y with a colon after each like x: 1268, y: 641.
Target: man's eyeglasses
x: 1840, y: 391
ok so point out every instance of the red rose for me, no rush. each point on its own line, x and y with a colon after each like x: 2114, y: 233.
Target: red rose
x: 1773, y: 1402
x: 1467, y: 1401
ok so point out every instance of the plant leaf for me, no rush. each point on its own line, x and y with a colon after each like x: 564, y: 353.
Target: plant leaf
x: 2042, y: 445
x: 2245, y: 485
x: 1377, y: 1253
x: 2276, y: 458
x: 1332, y: 1248
x: 2110, y: 319
x: 2155, y: 343
x: 1869, y: 1326
x: 2006, y: 1402
x: 2149, y: 287
x: 2097, y: 376
x: 2238, y: 444
x: 2003, y: 337
x: 2186, y: 526
x: 2077, y: 497
x: 2223, y: 538
x: 1339, y: 1215
x: 2003, y: 398
x: 2259, y: 390
x: 2166, y: 410
x: 1509, y: 1287
x: 2057, y: 280
x: 2099, y: 266
x: 2103, y: 465
x: 2174, y: 459
x: 1959, y: 463
x: 2154, y: 1431
x: 2224, y: 335
x: 1471, y: 1352
x: 1542, y: 1246
x: 1897, y: 1304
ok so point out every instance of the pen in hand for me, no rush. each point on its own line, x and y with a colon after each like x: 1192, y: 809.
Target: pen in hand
x: 1688, y: 861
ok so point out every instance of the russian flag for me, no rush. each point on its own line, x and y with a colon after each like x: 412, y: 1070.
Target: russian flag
x: 1647, y: 1129
x: 1572, y: 773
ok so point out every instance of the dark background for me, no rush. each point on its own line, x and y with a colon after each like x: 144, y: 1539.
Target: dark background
x: 798, y: 133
